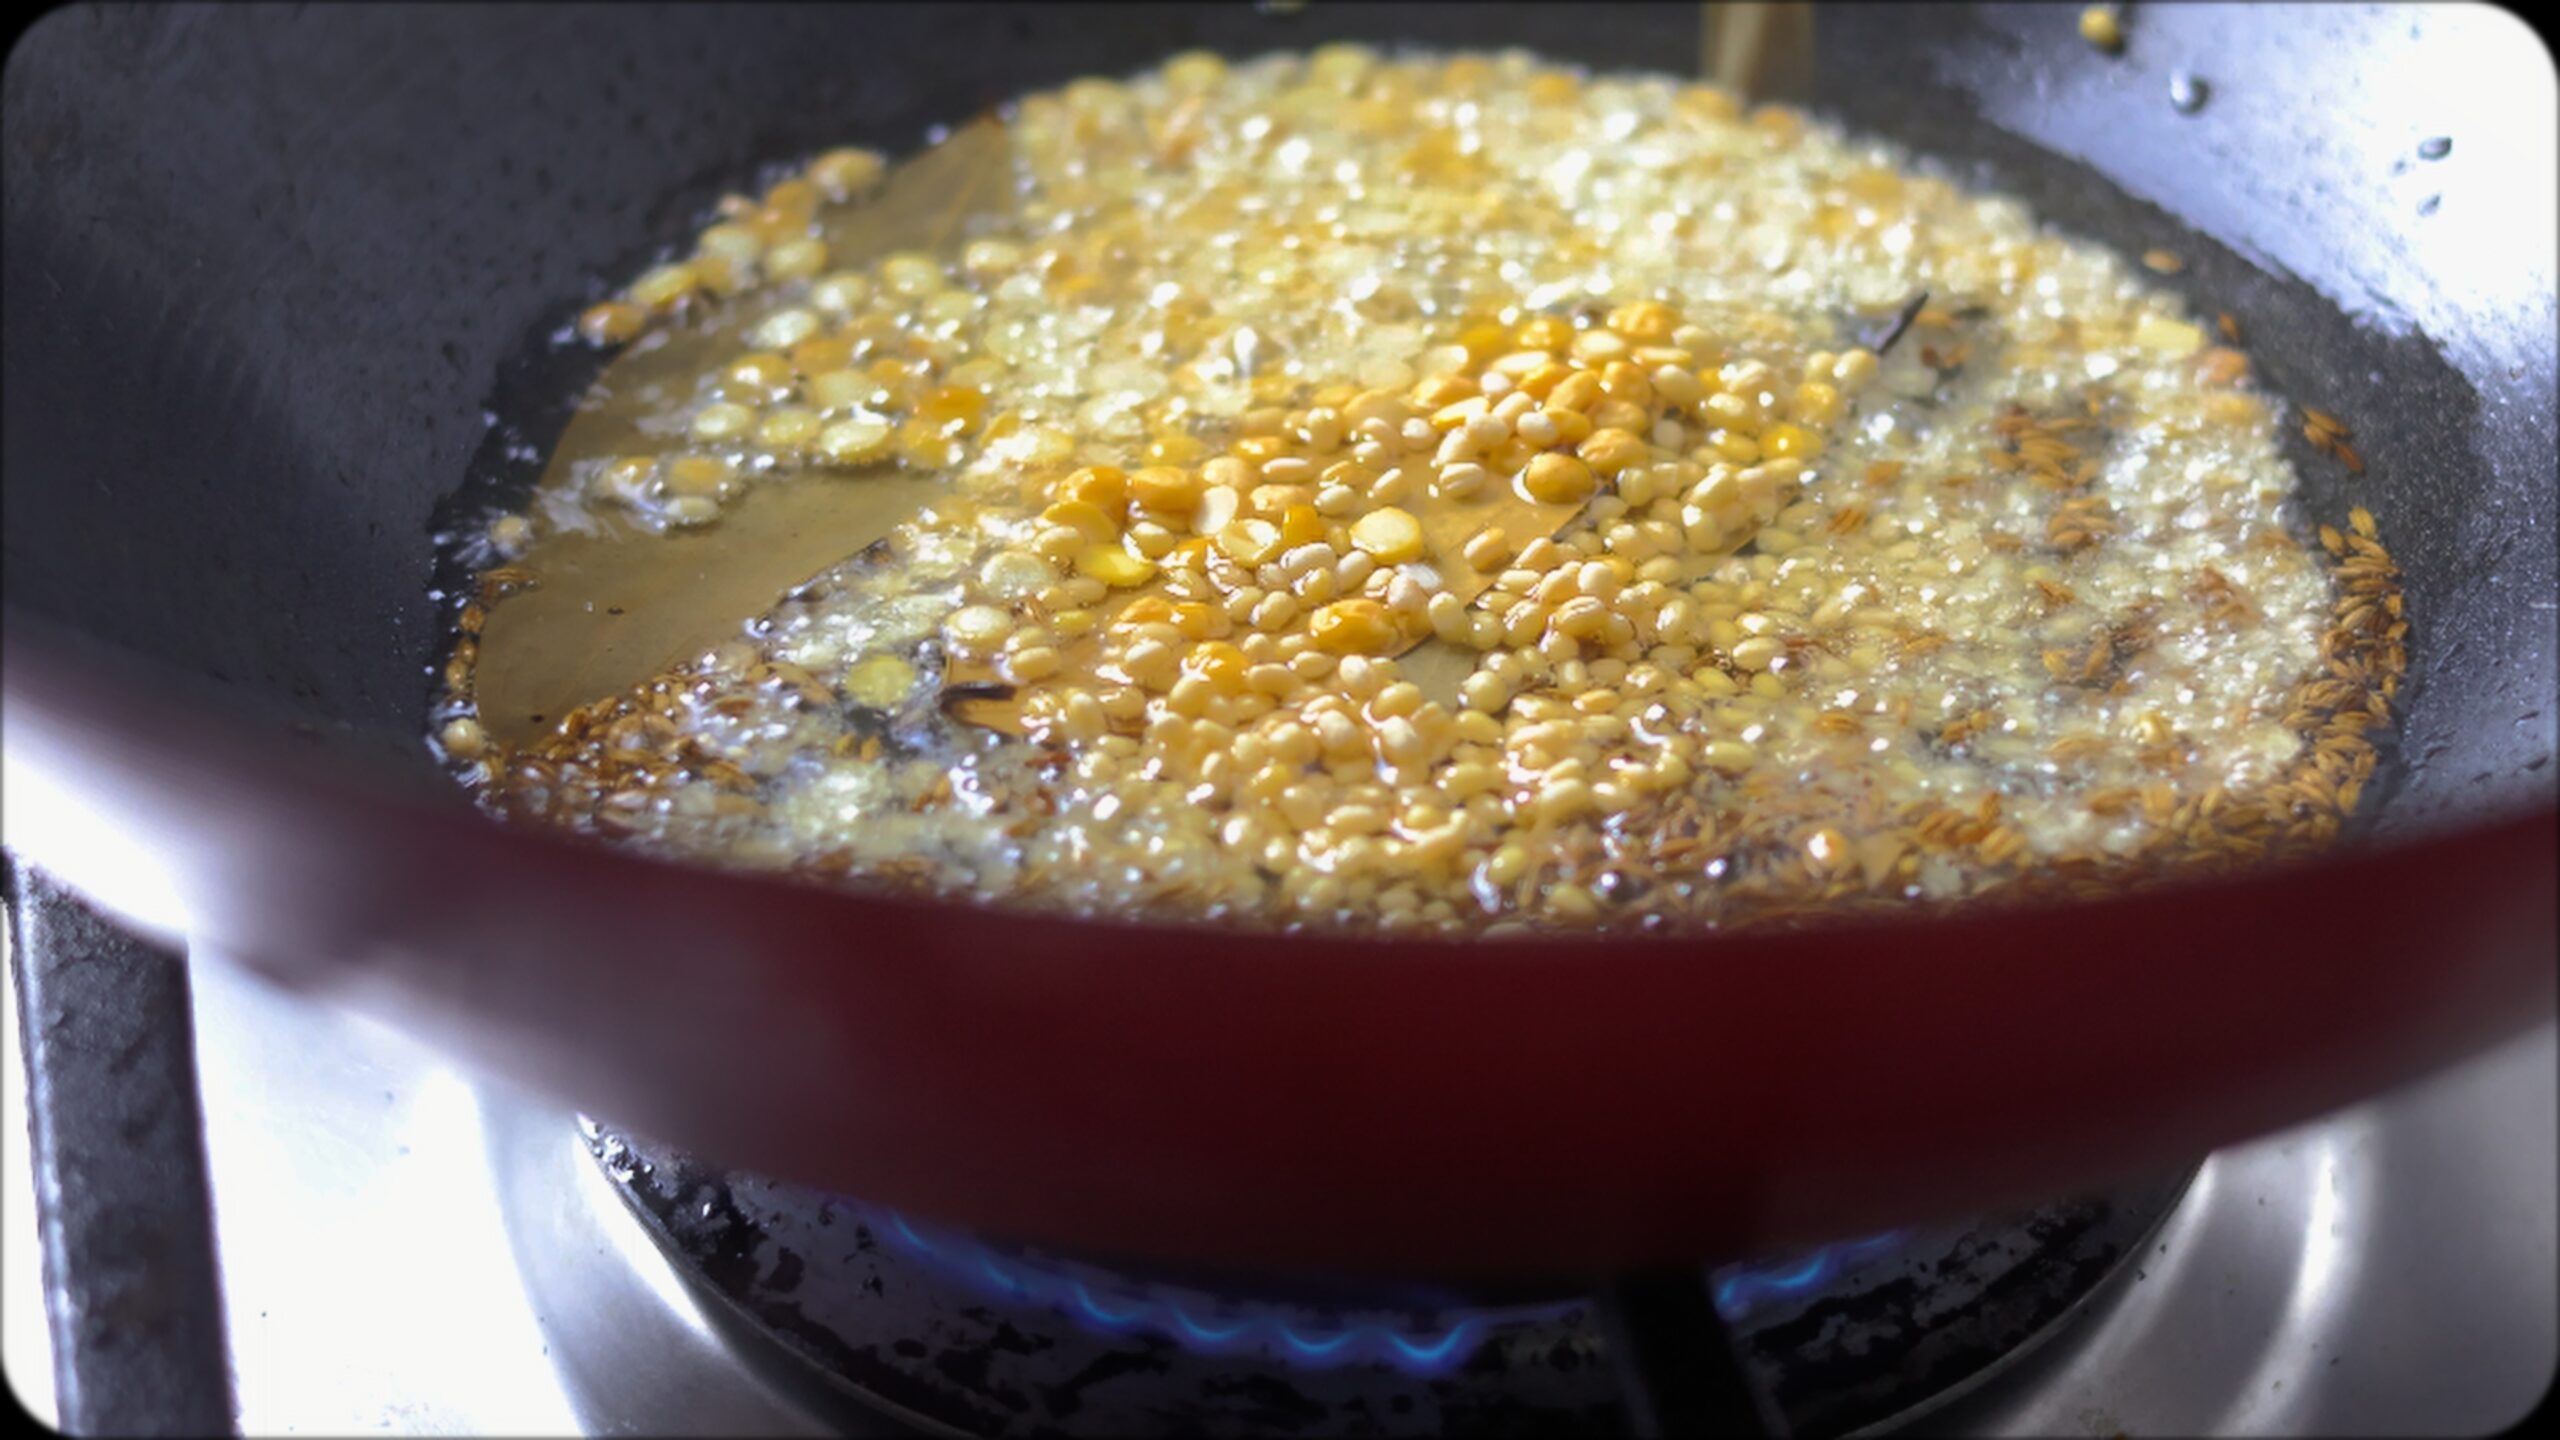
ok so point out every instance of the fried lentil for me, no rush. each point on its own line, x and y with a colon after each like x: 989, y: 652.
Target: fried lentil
x: 1791, y: 657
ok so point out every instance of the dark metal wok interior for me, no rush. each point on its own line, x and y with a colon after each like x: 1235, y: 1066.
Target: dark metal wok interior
x: 270, y: 273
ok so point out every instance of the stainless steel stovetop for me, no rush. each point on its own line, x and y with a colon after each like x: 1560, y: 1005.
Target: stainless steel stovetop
x: 408, y: 1249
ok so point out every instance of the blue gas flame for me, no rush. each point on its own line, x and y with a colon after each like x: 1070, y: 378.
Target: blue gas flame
x: 1432, y: 1344
x: 1740, y: 1287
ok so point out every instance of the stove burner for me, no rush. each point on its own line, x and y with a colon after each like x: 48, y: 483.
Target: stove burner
x: 1207, y: 1323
x: 962, y: 1334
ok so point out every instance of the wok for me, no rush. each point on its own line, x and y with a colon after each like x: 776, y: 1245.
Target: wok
x: 266, y: 270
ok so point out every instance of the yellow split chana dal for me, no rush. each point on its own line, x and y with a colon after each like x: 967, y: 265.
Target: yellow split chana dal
x: 1771, y: 623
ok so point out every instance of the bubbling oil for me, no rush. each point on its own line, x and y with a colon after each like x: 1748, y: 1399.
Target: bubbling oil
x: 1116, y: 400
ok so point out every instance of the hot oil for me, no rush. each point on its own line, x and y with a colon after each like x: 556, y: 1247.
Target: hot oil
x: 613, y: 600
x: 619, y: 604
x: 1916, y: 683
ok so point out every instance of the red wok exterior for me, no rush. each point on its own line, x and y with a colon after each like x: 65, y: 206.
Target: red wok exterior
x: 1492, y: 1109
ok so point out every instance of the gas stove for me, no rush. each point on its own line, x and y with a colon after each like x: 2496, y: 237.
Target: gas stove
x: 968, y: 1337
x: 405, y: 1247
